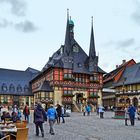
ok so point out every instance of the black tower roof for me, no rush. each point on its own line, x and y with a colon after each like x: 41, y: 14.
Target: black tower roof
x: 92, y: 51
x: 72, y: 56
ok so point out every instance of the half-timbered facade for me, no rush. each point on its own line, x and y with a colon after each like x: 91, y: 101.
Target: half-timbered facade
x: 128, y: 87
x: 109, y: 81
x: 71, y: 76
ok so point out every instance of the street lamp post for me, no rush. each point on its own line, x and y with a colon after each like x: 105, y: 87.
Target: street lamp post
x: 123, y: 90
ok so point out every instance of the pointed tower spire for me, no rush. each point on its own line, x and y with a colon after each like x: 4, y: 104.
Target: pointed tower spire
x: 67, y: 37
x: 92, y: 51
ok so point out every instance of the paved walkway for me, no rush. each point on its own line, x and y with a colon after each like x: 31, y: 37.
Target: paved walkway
x: 78, y: 127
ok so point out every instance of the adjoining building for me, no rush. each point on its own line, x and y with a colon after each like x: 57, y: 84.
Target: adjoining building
x: 128, y: 87
x: 15, y: 87
x: 109, y: 81
x: 70, y: 77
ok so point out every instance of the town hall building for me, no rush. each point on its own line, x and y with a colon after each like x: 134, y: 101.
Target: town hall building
x: 70, y: 77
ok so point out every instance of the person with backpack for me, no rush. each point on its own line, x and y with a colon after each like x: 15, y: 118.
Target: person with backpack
x: 39, y: 118
x: 26, y: 112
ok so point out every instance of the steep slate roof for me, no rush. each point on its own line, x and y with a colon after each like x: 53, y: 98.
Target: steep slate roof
x: 16, y: 78
x: 66, y: 57
x: 131, y: 75
x: 111, y: 75
x: 45, y: 86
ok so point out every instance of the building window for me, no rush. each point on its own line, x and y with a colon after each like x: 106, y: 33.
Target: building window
x: 68, y: 74
x: 93, y: 93
x: 19, y: 88
x: 79, y: 65
x: 26, y: 89
x: 12, y: 88
x: 67, y: 92
x: 4, y: 87
x: 94, y: 78
x: 75, y: 48
x: 81, y: 78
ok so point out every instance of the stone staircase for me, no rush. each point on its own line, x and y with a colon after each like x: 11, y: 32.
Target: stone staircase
x: 76, y: 107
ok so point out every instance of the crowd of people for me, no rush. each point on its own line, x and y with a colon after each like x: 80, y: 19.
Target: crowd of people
x: 86, y: 109
x: 56, y: 114
x: 14, y: 114
x: 51, y: 115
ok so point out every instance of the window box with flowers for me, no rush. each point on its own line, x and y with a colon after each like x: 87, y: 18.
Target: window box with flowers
x: 69, y: 77
x: 67, y: 95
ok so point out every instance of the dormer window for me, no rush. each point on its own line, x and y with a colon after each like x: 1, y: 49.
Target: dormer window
x: 75, y: 48
x: 79, y: 65
x: 4, y: 87
x: 12, y: 88
x: 26, y: 88
x: 19, y: 88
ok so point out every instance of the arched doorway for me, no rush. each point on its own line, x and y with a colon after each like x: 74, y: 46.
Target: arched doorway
x: 79, y: 97
x: 135, y: 101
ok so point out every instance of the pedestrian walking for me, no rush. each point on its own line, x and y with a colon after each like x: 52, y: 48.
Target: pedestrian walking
x: 126, y: 115
x: 0, y: 112
x: 97, y: 110
x: 59, y: 113
x: 52, y: 116
x: 62, y: 114
x: 132, y: 111
x: 88, y: 109
x: 15, y: 109
x: 39, y: 118
x: 101, y: 111
x: 26, y: 112
x: 84, y: 110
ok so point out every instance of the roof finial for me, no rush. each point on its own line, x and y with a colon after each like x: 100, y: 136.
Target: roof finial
x: 92, y: 20
x: 67, y: 13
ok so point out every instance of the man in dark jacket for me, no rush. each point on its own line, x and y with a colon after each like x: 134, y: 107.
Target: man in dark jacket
x: 39, y: 118
x: 131, y: 112
x: 59, y: 113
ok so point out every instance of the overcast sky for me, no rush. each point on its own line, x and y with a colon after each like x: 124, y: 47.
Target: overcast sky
x: 32, y: 30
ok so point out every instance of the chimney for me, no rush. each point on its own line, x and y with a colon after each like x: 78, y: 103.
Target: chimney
x: 123, y: 61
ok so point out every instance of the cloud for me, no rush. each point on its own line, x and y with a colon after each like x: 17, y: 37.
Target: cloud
x: 126, y: 43
x: 26, y: 26
x: 136, y: 14
x: 121, y: 43
x: 4, y: 23
x: 18, y: 7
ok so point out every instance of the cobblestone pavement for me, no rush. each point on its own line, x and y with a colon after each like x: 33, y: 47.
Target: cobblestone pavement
x: 78, y: 127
